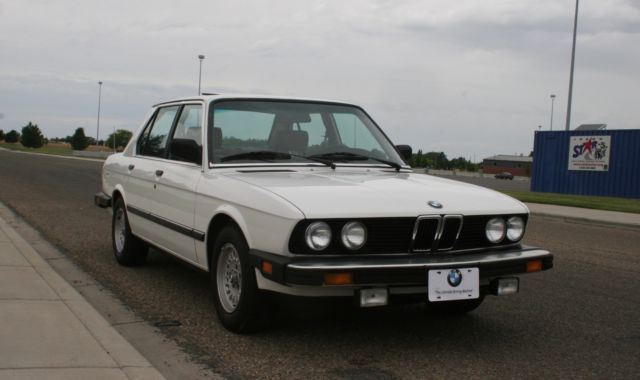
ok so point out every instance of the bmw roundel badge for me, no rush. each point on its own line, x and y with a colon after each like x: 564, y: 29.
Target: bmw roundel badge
x: 454, y: 278
x: 435, y: 204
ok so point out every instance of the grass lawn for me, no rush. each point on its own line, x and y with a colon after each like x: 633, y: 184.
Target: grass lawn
x: 56, y: 149
x: 584, y: 201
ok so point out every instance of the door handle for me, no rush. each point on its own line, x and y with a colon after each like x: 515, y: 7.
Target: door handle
x: 131, y: 167
x: 159, y: 173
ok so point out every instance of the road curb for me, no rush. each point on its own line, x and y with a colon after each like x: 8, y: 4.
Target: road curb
x: 575, y: 219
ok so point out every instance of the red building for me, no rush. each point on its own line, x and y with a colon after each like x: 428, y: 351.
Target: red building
x: 516, y: 165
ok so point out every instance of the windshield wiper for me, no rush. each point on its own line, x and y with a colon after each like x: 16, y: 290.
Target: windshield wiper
x: 266, y: 155
x: 262, y: 155
x: 348, y: 156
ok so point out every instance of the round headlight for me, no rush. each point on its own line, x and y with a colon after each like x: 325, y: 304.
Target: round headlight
x: 354, y: 235
x: 318, y: 236
x: 515, y: 228
x: 495, y: 230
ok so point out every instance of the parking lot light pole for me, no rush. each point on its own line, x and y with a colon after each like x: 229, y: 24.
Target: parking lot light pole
x: 98, y: 122
x: 553, y: 97
x: 573, y: 58
x: 201, y: 58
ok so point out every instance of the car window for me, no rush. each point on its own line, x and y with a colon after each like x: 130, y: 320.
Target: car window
x: 269, y: 131
x: 189, y: 124
x: 239, y: 130
x: 354, y: 134
x: 154, y: 141
x: 315, y: 128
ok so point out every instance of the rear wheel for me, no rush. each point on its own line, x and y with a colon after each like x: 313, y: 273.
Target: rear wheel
x: 455, y: 307
x: 128, y: 249
x: 240, y: 305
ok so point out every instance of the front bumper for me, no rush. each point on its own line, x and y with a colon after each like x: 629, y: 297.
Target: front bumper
x: 395, y: 270
x: 102, y: 200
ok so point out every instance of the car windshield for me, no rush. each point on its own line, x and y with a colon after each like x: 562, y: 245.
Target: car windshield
x: 249, y: 132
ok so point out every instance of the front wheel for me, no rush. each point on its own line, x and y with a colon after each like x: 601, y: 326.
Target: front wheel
x: 239, y: 303
x: 455, y: 307
x: 128, y: 249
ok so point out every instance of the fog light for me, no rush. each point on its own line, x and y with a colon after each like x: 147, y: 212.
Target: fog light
x: 508, y: 286
x: 338, y: 278
x: 534, y: 266
x: 374, y: 297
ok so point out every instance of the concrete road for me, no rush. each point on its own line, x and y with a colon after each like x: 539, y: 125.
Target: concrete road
x: 579, y: 320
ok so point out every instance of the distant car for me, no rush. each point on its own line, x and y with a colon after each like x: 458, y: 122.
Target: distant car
x: 307, y: 198
x: 504, y: 175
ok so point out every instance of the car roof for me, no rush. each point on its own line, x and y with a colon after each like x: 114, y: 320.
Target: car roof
x: 207, y: 97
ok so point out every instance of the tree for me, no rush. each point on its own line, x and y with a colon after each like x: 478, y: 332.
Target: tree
x: 122, y: 138
x: 79, y: 141
x: 12, y: 136
x: 1, y: 135
x: 31, y: 136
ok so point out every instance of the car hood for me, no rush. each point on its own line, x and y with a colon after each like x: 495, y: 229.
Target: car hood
x: 322, y: 193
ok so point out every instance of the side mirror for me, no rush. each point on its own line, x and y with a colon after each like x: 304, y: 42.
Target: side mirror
x: 186, y: 150
x: 405, y: 151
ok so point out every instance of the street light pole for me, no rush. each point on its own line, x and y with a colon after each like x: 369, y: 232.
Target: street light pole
x: 201, y: 58
x: 553, y: 97
x: 573, y: 58
x: 98, y: 123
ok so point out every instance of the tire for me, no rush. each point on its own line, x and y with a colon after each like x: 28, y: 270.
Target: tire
x: 455, y: 307
x: 240, y: 305
x: 128, y: 249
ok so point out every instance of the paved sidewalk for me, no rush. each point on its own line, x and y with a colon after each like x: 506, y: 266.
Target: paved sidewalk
x: 49, y: 331
x: 587, y: 215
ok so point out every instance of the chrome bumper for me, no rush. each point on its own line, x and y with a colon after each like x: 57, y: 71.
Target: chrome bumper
x: 396, y: 269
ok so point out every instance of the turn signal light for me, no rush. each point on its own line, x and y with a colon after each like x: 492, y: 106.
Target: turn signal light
x: 338, y: 278
x: 534, y: 266
x: 267, y: 267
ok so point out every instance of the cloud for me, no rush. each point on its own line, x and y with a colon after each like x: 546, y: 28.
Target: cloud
x: 463, y: 76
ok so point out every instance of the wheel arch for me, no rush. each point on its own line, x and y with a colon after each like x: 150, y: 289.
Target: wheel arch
x: 217, y: 223
x: 118, y: 192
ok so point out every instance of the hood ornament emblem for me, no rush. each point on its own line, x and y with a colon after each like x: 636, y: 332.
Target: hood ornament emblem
x: 435, y: 204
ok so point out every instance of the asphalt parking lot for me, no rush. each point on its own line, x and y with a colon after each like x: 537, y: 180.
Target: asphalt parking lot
x: 579, y: 320
x: 517, y: 184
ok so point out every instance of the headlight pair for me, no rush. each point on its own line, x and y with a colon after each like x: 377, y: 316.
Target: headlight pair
x: 497, y: 229
x: 318, y: 235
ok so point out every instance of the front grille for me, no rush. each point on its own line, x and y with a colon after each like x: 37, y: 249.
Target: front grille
x: 425, y: 234
x: 436, y: 232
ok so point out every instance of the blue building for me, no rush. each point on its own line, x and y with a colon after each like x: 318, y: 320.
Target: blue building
x: 587, y: 162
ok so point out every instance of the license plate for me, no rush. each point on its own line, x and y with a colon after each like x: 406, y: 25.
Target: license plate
x: 454, y: 284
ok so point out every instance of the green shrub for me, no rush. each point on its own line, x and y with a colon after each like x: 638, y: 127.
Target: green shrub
x: 79, y: 141
x: 12, y: 136
x: 31, y: 136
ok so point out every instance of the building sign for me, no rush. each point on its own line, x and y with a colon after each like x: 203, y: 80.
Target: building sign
x: 589, y: 153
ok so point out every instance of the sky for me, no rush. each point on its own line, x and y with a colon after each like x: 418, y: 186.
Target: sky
x: 467, y: 77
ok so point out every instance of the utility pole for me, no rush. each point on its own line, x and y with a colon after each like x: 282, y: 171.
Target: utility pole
x: 553, y: 97
x: 201, y: 58
x: 98, y: 123
x: 573, y: 58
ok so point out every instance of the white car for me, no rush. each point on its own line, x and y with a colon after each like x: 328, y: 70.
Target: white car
x: 306, y: 198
